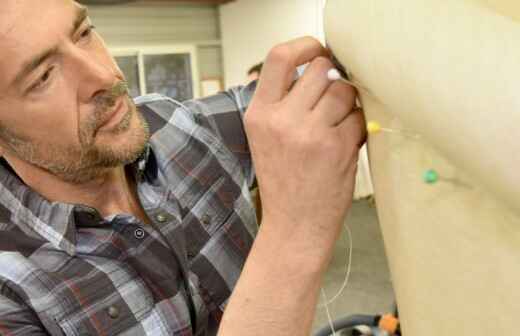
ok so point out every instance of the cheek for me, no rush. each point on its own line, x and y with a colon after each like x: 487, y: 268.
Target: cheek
x: 53, y: 121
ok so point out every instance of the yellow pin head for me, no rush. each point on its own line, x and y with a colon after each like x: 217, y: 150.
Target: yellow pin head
x: 373, y: 127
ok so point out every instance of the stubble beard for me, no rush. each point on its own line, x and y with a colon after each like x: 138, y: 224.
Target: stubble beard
x: 79, y: 164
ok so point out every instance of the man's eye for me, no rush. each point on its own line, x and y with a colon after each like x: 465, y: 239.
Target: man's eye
x: 87, y: 32
x: 44, y: 79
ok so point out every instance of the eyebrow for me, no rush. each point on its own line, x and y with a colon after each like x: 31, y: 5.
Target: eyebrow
x: 36, y: 61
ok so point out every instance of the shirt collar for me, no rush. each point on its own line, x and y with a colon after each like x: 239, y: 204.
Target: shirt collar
x: 54, y: 222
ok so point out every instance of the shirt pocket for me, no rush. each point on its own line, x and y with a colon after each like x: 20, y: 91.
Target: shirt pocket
x: 215, y: 206
x: 209, y: 213
x: 107, y: 304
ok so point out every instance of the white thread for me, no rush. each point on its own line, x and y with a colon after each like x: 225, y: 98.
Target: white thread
x: 343, y: 286
x: 327, y: 311
x: 347, y: 272
x: 402, y: 132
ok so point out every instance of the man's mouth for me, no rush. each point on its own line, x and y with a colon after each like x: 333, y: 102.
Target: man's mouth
x: 115, y: 115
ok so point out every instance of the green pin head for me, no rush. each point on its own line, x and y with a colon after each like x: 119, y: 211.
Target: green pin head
x: 431, y: 176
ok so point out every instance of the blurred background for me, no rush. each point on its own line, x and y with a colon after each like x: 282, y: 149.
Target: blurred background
x: 186, y: 49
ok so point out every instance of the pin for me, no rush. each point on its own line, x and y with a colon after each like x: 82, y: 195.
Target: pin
x: 334, y: 75
x: 431, y: 176
x: 373, y: 127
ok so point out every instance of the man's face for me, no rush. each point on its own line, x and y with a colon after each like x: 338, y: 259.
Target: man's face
x: 63, y: 103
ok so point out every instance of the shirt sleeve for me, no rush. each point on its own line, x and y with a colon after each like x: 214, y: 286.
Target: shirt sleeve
x: 18, y: 320
x: 223, y: 115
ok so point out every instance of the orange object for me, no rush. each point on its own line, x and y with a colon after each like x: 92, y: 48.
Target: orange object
x: 389, y: 323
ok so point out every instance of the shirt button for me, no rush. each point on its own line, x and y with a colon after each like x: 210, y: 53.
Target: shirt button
x: 113, y: 312
x: 206, y: 220
x: 139, y: 233
x: 161, y: 218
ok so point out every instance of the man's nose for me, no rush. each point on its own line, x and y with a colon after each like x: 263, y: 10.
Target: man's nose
x: 96, y: 75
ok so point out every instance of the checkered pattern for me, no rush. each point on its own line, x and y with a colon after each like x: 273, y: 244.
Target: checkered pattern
x: 65, y: 270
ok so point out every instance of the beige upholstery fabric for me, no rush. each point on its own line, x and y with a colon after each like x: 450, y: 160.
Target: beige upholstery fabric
x: 448, y: 71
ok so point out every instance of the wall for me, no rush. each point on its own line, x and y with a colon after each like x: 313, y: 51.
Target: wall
x: 251, y: 27
x: 139, y: 24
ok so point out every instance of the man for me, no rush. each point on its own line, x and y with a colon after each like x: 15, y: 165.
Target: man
x: 134, y: 219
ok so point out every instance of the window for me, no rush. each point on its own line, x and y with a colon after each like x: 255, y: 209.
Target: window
x: 130, y: 67
x: 167, y: 70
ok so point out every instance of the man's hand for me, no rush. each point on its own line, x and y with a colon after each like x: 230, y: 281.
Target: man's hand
x: 305, y: 144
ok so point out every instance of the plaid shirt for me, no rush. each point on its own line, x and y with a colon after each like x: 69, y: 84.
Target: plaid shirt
x: 65, y: 270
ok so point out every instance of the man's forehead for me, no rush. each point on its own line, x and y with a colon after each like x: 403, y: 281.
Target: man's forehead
x: 11, y: 13
x: 27, y: 27
x: 25, y: 13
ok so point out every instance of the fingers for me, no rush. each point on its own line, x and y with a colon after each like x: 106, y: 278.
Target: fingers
x: 335, y: 104
x: 280, y: 66
x: 312, y: 85
x: 352, y: 129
